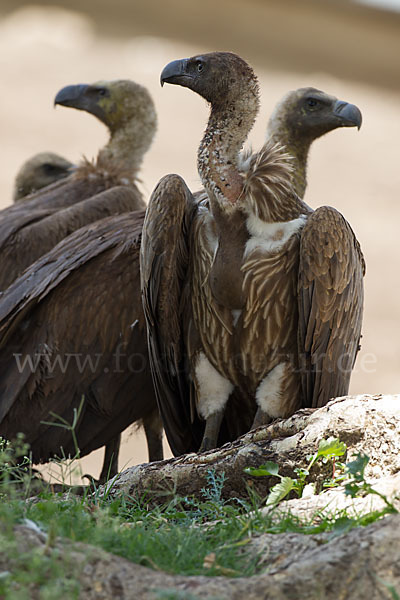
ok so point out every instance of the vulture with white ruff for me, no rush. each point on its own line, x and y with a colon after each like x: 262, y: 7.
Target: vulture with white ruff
x: 257, y: 298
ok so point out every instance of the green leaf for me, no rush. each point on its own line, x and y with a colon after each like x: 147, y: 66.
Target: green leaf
x: 301, y: 473
x: 269, y: 468
x: 352, y: 489
x: 331, y: 447
x: 356, y: 467
x: 280, y: 490
x: 343, y: 524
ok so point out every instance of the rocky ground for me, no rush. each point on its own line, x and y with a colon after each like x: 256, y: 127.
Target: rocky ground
x: 348, y: 563
x: 358, y: 565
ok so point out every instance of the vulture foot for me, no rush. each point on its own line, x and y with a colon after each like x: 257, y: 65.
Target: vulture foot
x: 110, y: 462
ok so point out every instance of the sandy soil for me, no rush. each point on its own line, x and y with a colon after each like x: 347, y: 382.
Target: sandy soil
x: 42, y: 50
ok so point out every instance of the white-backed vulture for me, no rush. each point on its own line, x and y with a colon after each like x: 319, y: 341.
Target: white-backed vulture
x: 38, y: 172
x: 259, y: 298
x: 128, y: 111
x: 72, y: 327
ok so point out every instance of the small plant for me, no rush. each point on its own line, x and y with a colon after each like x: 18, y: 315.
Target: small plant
x: 71, y: 427
x: 357, y: 486
x: 215, y: 486
x: 328, y: 450
x: 15, y: 466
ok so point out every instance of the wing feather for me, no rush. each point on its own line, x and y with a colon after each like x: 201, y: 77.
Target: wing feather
x: 45, y: 230
x: 164, y: 263
x: 330, y: 293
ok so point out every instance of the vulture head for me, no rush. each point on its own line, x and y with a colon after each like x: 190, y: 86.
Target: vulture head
x: 301, y: 117
x: 219, y: 77
x: 307, y: 113
x: 114, y: 103
x: 39, y: 171
x: 127, y: 110
x: 230, y: 85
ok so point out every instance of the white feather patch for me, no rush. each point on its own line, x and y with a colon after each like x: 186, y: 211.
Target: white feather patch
x: 213, y: 388
x: 270, y: 237
x: 244, y: 160
x: 269, y: 392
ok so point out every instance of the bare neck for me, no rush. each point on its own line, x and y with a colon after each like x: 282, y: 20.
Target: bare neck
x: 217, y: 159
x: 127, y: 146
x: 297, y: 148
x: 227, y: 129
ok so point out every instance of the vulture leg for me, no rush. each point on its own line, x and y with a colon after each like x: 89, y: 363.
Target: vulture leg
x: 110, y: 462
x: 261, y: 418
x: 213, y: 391
x: 213, y: 424
x: 154, y: 430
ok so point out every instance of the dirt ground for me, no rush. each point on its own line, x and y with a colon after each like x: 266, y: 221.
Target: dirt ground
x: 43, y: 49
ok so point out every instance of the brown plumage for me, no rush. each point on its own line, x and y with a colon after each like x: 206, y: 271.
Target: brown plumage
x: 30, y: 242
x: 72, y: 328
x: 47, y: 216
x: 269, y: 293
x: 39, y: 171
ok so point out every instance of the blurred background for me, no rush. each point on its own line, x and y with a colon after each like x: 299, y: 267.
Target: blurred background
x: 348, y: 49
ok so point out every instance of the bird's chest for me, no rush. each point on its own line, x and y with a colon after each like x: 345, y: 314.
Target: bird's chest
x: 226, y: 246
x: 266, y: 331
x: 247, y: 314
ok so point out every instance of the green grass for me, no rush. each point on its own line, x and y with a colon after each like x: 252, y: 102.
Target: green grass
x: 31, y: 573
x: 189, y: 536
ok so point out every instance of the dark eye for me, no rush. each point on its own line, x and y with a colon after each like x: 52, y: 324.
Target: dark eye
x: 48, y: 167
x: 199, y: 67
x: 102, y: 91
x: 312, y: 102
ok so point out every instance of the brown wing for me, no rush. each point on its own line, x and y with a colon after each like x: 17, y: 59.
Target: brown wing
x: 163, y: 264
x: 29, y: 242
x: 45, y: 202
x: 81, y: 300
x: 330, y: 305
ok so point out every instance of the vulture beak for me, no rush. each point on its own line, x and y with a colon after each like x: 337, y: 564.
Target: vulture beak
x: 72, y: 95
x: 349, y: 114
x: 176, y: 73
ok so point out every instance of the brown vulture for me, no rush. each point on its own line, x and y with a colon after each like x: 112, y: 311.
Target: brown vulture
x: 29, y: 229
x: 72, y: 329
x: 257, y: 300
x: 39, y: 171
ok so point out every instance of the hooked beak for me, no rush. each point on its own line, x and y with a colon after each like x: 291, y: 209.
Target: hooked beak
x: 175, y: 72
x: 72, y: 95
x: 349, y: 114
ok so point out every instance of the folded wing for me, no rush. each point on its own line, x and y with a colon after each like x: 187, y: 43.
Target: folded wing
x: 330, y: 305
x: 164, y: 264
